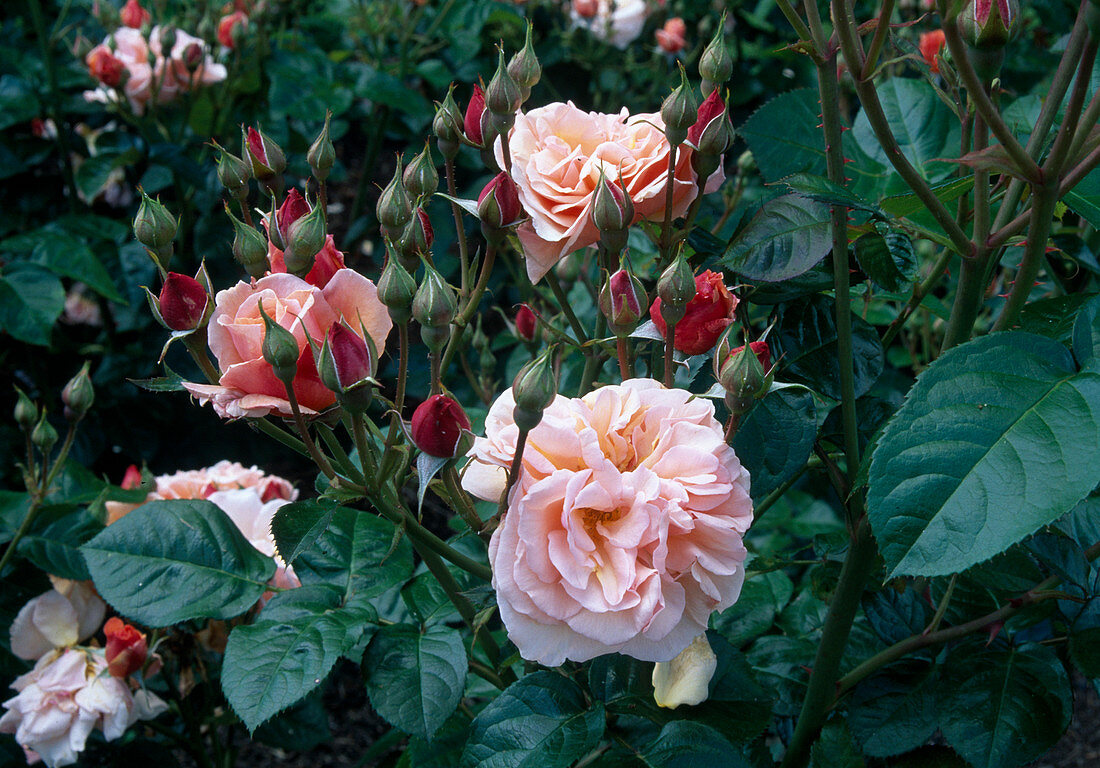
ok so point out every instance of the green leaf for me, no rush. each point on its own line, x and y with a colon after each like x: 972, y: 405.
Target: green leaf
x: 1084, y: 199
x: 1054, y: 317
x: 835, y: 748
x: 685, y: 744
x: 822, y: 190
x: 415, y: 680
x: 887, y: 257
x: 777, y: 437
x: 1003, y: 707
x: 895, y: 711
x: 541, y: 721
x: 302, y: 727
x: 170, y: 561
x: 896, y: 615
x: 1086, y: 335
x: 18, y: 101
x: 787, y: 237
x: 31, y: 299
x: 997, y: 438
x: 799, y: 147
x: 780, y: 663
x: 65, y: 255
x: 357, y: 553
x: 55, y: 548
x: 808, y: 341
x: 762, y: 598
x: 275, y: 662
x: 297, y: 526
x: 908, y: 204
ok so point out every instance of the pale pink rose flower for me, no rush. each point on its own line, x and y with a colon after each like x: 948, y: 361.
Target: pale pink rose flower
x: 558, y: 154
x: 252, y: 516
x: 172, y: 70
x: 624, y: 530
x: 685, y: 679
x: 248, y: 386
x: 56, y: 619
x: 618, y: 22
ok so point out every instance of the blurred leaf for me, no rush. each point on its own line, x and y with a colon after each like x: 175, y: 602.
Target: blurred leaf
x: 302, y: 727
x: 55, y: 548
x: 897, y: 615
x: 685, y: 744
x: 1086, y: 335
x: 824, y: 191
x: 18, y: 101
x: 31, y: 300
x: 65, y: 255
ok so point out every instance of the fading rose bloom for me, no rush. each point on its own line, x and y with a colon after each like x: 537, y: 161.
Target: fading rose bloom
x: 706, y: 317
x: 672, y: 37
x: 685, y: 679
x: 624, y: 530
x: 64, y: 616
x: 558, y: 154
x: 64, y: 698
x: 618, y: 22
x: 81, y: 308
x: 105, y: 66
x: 248, y: 385
x: 931, y: 44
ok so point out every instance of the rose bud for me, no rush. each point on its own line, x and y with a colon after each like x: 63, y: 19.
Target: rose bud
x: 710, y: 110
x: 231, y: 29
x: 672, y: 36
x: 990, y: 24
x: 126, y: 648
x: 612, y: 213
x: 715, y: 65
x: 744, y: 378
x: 280, y: 349
x: 133, y: 15
x: 105, y: 67
x: 78, y: 395
x: 155, y: 228
x: 498, y: 207
x: 679, y: 111
x: 931, y: 44
x: 711, y: 135
x: 685, y: 679
x: 623, y: 302
x: 322, y: 155
x: 305, y: 237
x: 533, y: 390
x: 131, y: 479
x: 421, y: 178
x: 44, y: 436
x: 586, y: 9
x: 416, y: 240
x: 249, y: 247
x: 394, y: 209
x: 233, y: 173
x: 396, y: 288
x: 524, y: 66
x: 437, y: 426
x: 675, y: 288
x: 193, y: 56
x: 447, y: 126
x: 26, y: 412
x: 472, y: 121
x: 347, y: 366
x: 183, y: 302
x: 264, y: 155
x: 705, y: 316
x: 434, y: 307
x: 761, y: 350
x: 293, y: 208
x: 526, y: 323
x: 503, y: 95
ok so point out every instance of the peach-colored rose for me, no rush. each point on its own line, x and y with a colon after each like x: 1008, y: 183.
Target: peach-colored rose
x: 624, y: 530
x: 248, y: 386
x: 558, y: 152
x: 672, y: 37
x: 619, y: 22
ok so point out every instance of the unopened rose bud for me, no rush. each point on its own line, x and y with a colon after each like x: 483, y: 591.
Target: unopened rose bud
x: 233, y: 173
x: 623, y: 302
x: 231, y: 29
x: 498, y: 207
x: 447, y: 126
x: 155, y: 228
x: 990, y: 24
x: 78, y: 395
x: 168, y: 39
x: 675, y: 288
x: 703, y: 319
x: 612, y: 213
x: 133, y: 15
x: 44, y: 436
x: 264, y: 155
x: 126, y: 650
x: 437, y: 426
x: 526, y: 323
x: 280, y: 349
x: 105, y: 67
x: 249, y: 247
x: 322, y: 154
x: 346, y: 367
x: 183, y: 302
x: 193, y: 57
x: 26, y: 412
x: 524, y: 66
x: 746, y: 163
x: 672, y: 37
x: 416, y: 240
x: 434, y: 307
x: 715, y: 65
x: 421, y: 178
x: 533, y: 390
x: 305, y: 237
x: 931, y: 45
x: 293, y: 208
x: 679, y: 111
x: 711, y: 135
x: 743, y: 374
x: 503, y: 95
x: 472, y: 120
x: 396, y: 288
x: 685, y: 679
x: 586, y: 9
x: 394, y: 209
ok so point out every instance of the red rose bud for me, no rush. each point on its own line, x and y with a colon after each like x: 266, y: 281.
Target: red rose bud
x: 133, y: 15
x: 292, y: 209
x: 182, y: 302
x: 126, y: 648
x: 586, y: 9
x: 265, y: 155
x: 132, y: 478
x: 990, y: 24
x: 415, y: 240
x: 105, y: 67
x: 672, y: 37
x: 705, y: 316
x: 931, y: 45
x: 612, y: 209
x: 623, y: 302
x: 498, y: 204
x: 472, y: 121
x: 347, y: 366
x: 193, y: 56
x: 437, y: 426
x: 710, y: 110
x: 761, y: 350
x: 526, y: 323
x: 231, y: 29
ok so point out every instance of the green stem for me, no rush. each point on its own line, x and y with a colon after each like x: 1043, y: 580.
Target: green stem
x: 460, y: 231
x: 795, y: 20
x: 626, y: 366
x: 462, y: 504
x: 919, y: 292
x: 362, y: 447
x: 666, y: 224
x: 882, y: 29
x: 319, y: 458
x: 670, y: 354
x: 770, y: 500
x: 470, y: 309
x: 1044, y: 199
x: 567, y: 310
x: 339, y: 455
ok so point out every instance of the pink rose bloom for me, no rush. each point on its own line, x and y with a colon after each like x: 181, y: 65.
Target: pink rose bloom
x: 624, y: 530
x: 253, y: 516
x: 248, y: 386
x: 64, y: 698
x: 618, y: 22
x: 64, y: 616
x: 558, y: 152
x: 172, y: 68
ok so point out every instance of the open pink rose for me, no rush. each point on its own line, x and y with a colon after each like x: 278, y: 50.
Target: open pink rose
x: 248, y: 386
x: 619, y: 22
x: 70, y: 612
x: 624, y: 530
x: 558, y: 152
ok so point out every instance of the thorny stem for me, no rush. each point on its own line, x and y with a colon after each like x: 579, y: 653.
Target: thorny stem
x: 626, y: 366
x: 462, y: 504
x: 513, y: 472
x: 666, y: 225
x: 882, y: 29
x: 460, y: 231
x: 319, y: 458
